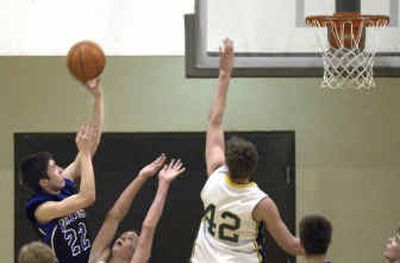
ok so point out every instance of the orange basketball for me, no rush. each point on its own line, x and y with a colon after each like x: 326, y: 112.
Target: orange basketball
x: 86, y: 60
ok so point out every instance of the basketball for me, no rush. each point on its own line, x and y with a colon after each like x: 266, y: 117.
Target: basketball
x: 86, y: 60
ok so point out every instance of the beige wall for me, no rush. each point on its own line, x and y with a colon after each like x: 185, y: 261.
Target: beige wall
x: 347, y: 144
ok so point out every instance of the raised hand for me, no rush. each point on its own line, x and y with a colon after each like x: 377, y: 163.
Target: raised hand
x: 170, y: 171
x: 226, y: 54
x: 93, y: 86
x: 153, y: 167
x: 86, y: 137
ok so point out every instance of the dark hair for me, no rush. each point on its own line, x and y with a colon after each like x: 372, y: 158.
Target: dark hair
x: 315, y: 234
x: 241, y: 157
x: 34, y: 168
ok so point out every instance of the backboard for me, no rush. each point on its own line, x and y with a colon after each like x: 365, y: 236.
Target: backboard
x: 272, y: 39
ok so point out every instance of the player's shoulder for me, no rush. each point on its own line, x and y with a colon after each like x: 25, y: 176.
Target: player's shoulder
x: 34, y: 202
x: 38, y: 198
x: 220, y: 171
x: 215, y: 178
x: 265, y: 204
x: 257, y: 189
x: 217, y: 175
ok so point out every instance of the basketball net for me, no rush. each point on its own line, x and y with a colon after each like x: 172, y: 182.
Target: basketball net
x: 347, y: 61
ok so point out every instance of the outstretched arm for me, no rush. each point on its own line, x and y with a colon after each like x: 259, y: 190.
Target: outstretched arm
x: 166, y: 176
x: 121, y: 208
x: 87, y: 194
x: 97, y: 119
x: 267, y: 212
x: 215, y: 146
x: 73, y: 169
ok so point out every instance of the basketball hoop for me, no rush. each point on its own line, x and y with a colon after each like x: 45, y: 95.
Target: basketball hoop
x: 348, y: 61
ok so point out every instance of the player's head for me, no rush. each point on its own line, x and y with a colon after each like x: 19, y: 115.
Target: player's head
x: 39, y: 171
x: 124, y: 247
x: 315, y: 234
x: 36, y: 252
x: 241, y: 156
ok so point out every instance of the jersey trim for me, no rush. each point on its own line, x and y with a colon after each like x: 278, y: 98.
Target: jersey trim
x: 41, y: 231
x: 259, y: 256
x: 236, y: 185
x: 259, y: 242
x: 52, y: 240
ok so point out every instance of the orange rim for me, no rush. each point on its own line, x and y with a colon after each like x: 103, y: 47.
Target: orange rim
x: 356, y: 19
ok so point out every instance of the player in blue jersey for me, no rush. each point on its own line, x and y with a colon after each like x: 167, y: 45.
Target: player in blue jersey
x: 129, y: 247
x: 56, y: 209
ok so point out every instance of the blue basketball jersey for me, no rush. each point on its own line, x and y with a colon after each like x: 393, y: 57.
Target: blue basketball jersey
x: 67, y: 236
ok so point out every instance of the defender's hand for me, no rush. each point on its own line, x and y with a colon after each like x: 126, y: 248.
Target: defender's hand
x: 171, y: 171
x: 226, y: 55
x: 152, y: 168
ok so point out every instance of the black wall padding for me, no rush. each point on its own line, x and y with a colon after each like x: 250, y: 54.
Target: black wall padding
x: 121, y: 155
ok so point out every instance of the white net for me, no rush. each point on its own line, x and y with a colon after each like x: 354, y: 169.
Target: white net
x: 348, y: 68
x: 348, y: 62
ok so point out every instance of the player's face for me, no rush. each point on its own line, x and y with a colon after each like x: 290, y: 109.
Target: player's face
x: 54, y: 172
x: 125, y: 245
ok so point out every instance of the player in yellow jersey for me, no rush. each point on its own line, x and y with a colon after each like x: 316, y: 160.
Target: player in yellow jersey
x: 234, y: 206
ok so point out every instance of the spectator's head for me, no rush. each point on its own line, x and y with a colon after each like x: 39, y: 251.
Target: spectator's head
x: 392, y: 248
x: 36, y: 252
x: 315, y: 234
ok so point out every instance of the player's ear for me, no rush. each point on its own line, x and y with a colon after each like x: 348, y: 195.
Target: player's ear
x: 43, y: 182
